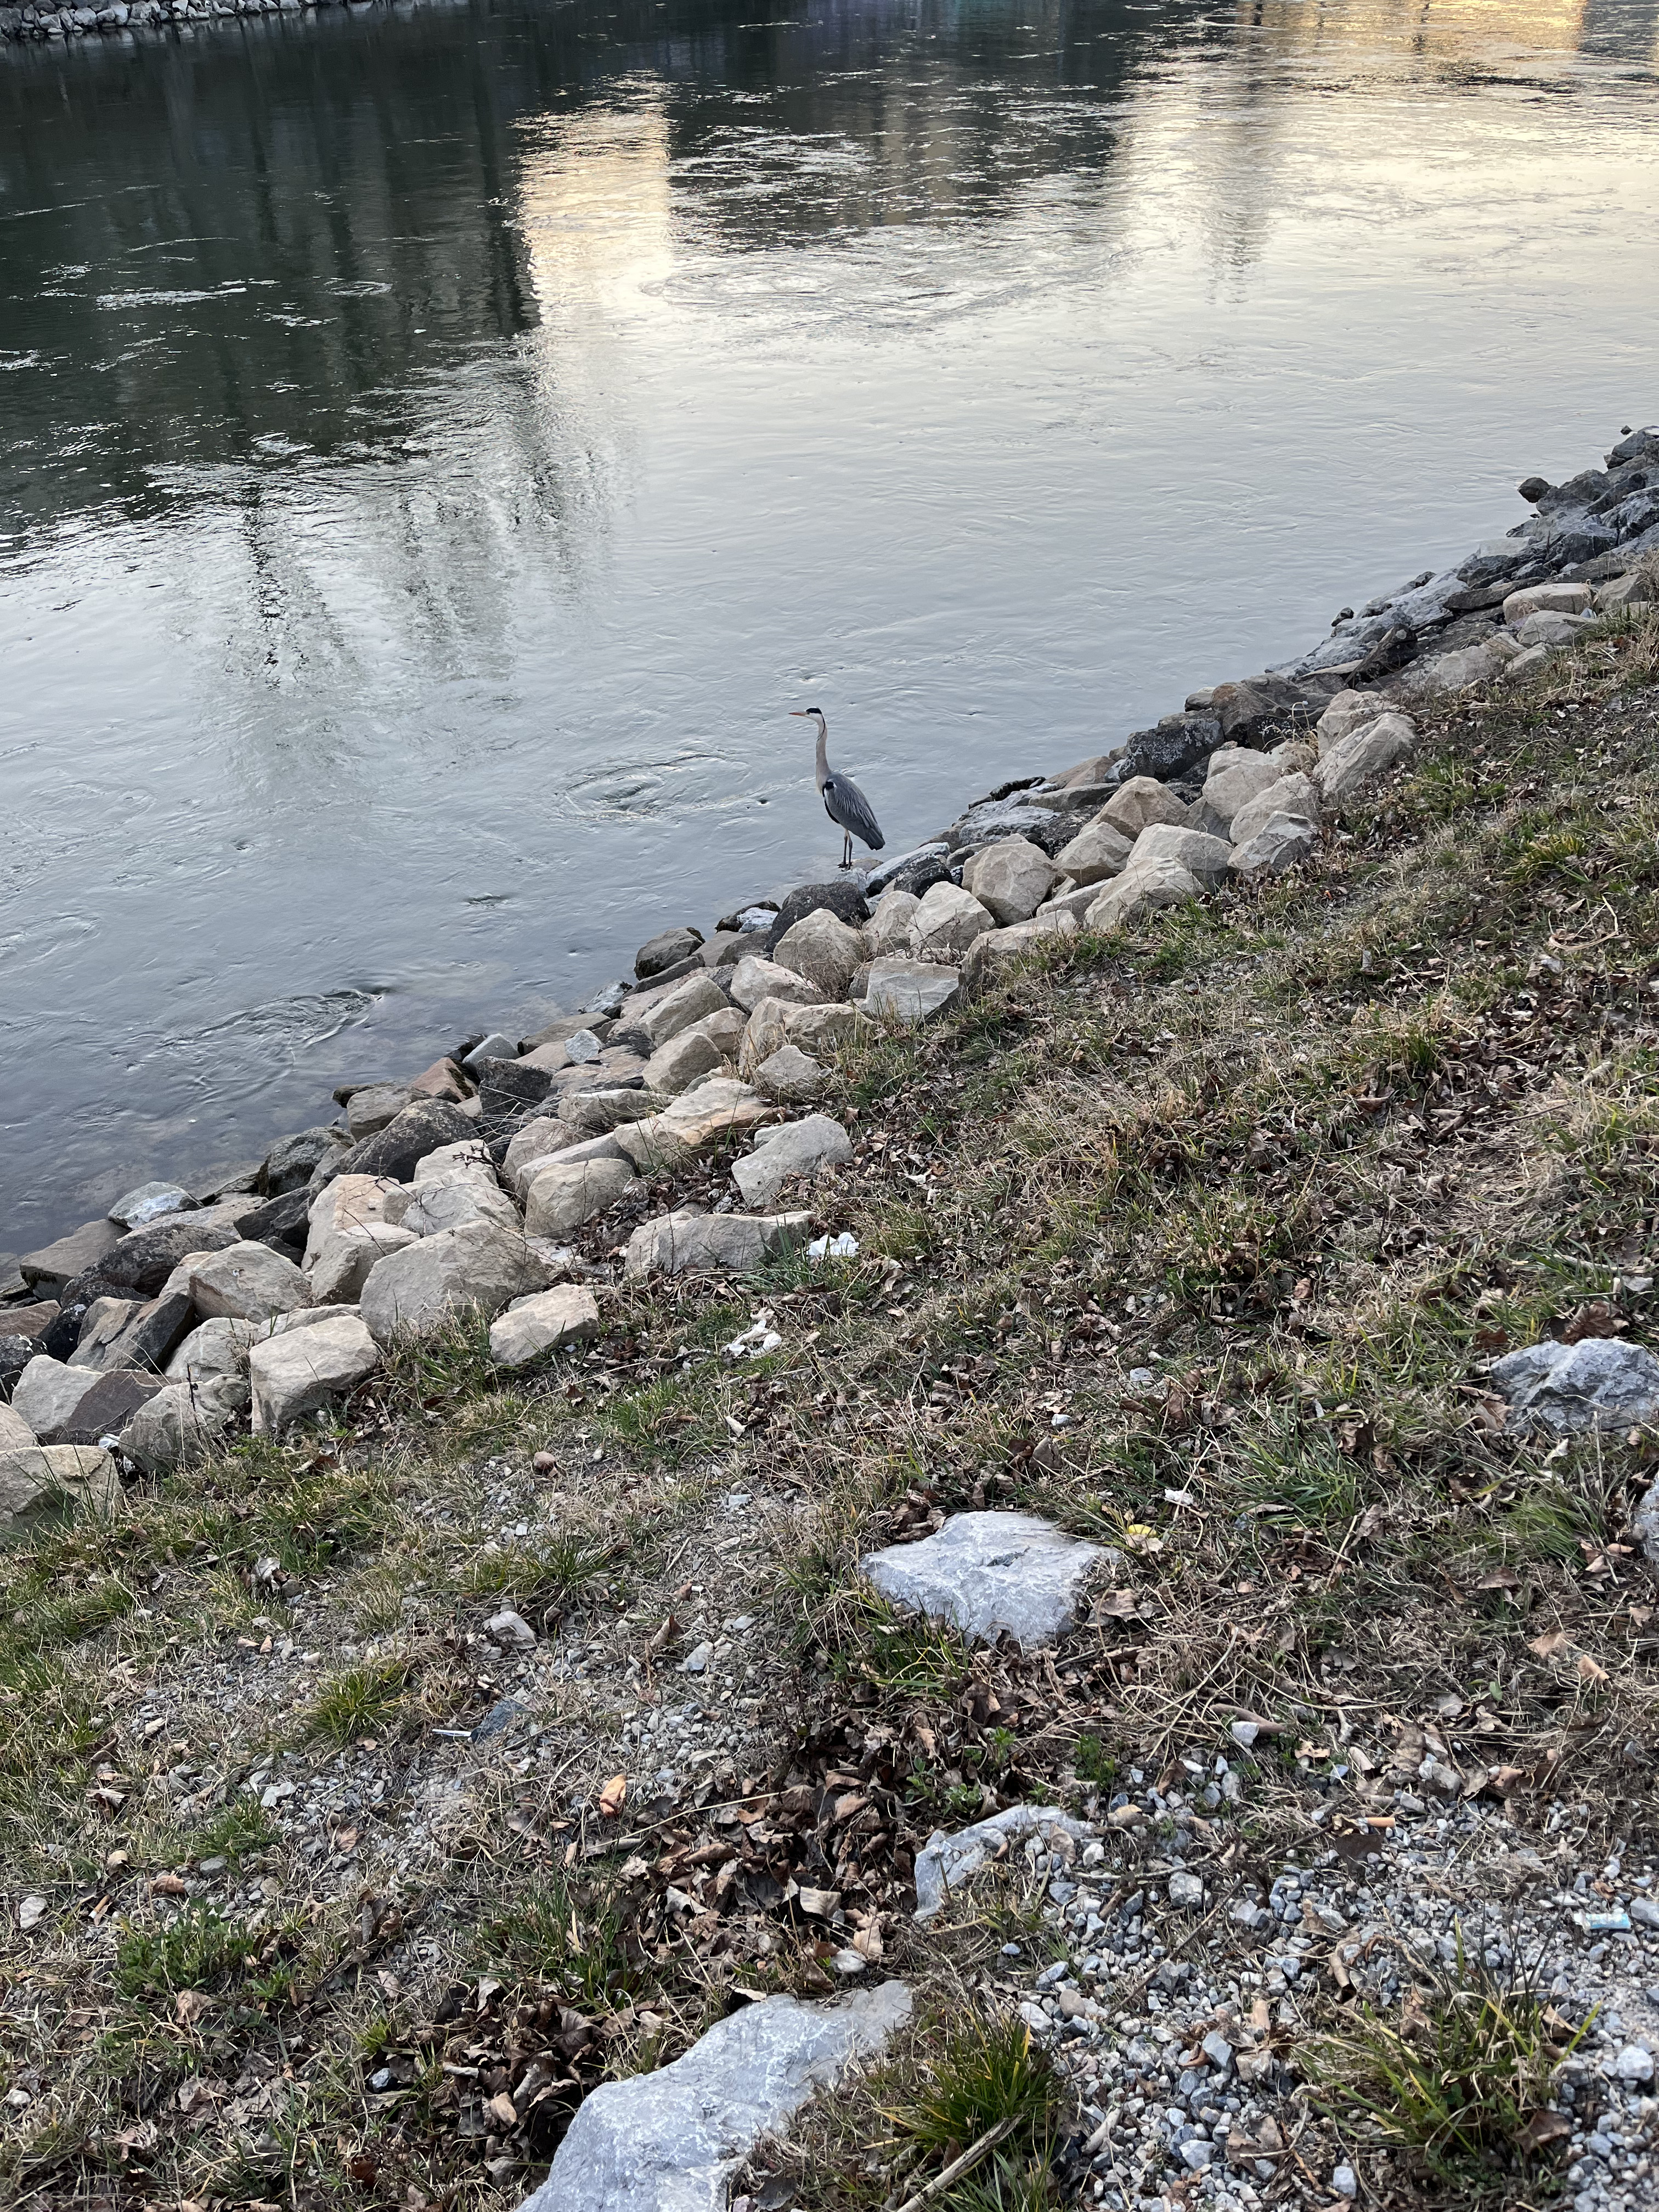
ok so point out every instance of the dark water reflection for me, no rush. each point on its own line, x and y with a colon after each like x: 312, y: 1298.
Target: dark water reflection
x: 436, y: 448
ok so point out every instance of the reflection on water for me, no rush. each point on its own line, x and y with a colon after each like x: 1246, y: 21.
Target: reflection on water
x: 437, y: 450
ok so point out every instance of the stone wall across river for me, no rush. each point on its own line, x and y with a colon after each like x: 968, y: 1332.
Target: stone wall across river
x: 40, y: 24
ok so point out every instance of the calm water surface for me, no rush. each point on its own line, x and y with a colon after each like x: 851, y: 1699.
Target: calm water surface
x: 437, y: 449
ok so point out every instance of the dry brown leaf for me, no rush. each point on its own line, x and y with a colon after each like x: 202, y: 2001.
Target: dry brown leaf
x: 190, y: 2005
x: 1550, y: 1646
x: 612, y: 1796
x: 1589, y: 1670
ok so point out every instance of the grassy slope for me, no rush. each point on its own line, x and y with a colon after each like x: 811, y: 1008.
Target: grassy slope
x: 1309, y: 1153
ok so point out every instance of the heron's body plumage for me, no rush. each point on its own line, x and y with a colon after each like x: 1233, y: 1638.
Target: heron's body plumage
x: 843, y: 802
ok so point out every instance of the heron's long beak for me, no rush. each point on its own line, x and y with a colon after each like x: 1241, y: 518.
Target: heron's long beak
x: 798, y: 714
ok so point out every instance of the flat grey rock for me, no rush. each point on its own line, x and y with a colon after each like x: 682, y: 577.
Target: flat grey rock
x: 149, y: 1202
x: 911, y: 990
x: 787, y: 1150
x: 946, y: 1862
x: 990, y: 1573
x: 294, y: 1374
x: 428, y: 1284
x: 711, y: 1244
x: 670, y: 2141
x: 47, y: 1392
x: 1601, y: 1383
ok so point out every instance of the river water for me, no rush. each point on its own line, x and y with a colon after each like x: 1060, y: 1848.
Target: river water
x: 439, y: 445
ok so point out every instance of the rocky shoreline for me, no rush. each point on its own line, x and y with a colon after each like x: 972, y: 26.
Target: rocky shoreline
x: 42, y: 25
x: 512, y: 1173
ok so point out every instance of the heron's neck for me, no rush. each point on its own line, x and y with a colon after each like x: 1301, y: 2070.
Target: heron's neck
x: 823, y: 756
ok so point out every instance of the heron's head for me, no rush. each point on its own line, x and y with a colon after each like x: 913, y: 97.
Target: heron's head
x: 806, y: 715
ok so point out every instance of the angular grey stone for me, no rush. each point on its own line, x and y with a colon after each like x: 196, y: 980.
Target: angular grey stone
x: 151, y: 1201
x: 1363, y: 752
x: 294, y: 1374
x: 885, y: 878
x: 1000, y: 949
x: 990, y: 1574
x: 450, y: 1201
x: 35, y: 1478
x: 754, y: 979
x: 1139, y: 802
x: 711, y: 1244
x: 106, y: 1409
x: 545, y: 1321
x: 947, y: 923
x: 1208, y: 859
x: 843, y: 898
x: 245, y: 1282
x: 1140, y: 889
x: 1099, y: 851
x: 790, y: 1075
x: 15, y: 1434
x: 428, y: 1284
x: 666, y: 949
x: 910, y: 990
x: 825, y: 949
x: 1236, y: 776
x: 704, y: 1048
x: 688, y: 1002
x: 217, y: 1347
x: 1012, y: 878
x: 496, y: 1046
x: 54, y: 1265
x: 1296, y: 795
x: 181, y: 1424
x: 106, y: 1331
x: 670, y: 2141
x: 371, y: 1107
x: 48, y: 1391
x: 564, y: 1196
x: 531, y: 1149
x: 1285, y: 843
x: 144, y: 1259
x: 946, y: 1862
x: 292, y: 1161
x: 395, y: 1150
x: 1601, y: 1381
x: 790, y: 1149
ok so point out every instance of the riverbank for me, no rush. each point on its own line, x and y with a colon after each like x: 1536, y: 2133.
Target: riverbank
x: 42, y: 26
x: 390, y: 1782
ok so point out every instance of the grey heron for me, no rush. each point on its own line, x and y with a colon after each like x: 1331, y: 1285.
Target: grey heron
x: 843, y: 802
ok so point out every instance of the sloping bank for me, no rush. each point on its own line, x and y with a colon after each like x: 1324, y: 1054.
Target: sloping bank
x: 1224, y: 1457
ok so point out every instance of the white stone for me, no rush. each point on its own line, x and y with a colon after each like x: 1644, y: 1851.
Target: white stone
x: 216, y: 1347
x: 910, y: 990
x: 711, y: 1244
x: 671, y: 2142
x: 1140, y: 890
x: 1633, y: 2063
x: 245, y: 1282
x: 1138, y: 803
x: 33, y: 1476
x: 721, y: 1107
x: 688, y: 1002
x: 1000, y: 949
x: 1295, y: 795
x: 1186, y: 1889
x: 790, y: 1076
x: 342, y: 1267
x: 947, y: 921
x: 1235, y: 777
x: 294, y: 1374
x: 151, y: 1201
x: 180, y: 1424
x: 1012, y: 878
x: 423, y: 1288
x: 1098, y: 851
x: 1284, y: 842
x: 990, y: 1573
x: 702, y: 1049
x: 510, y: 1630
x: 1363, y: 753
x: 947, y: 1863
x: 1447, y: 673
x: 561, y: 1198
x: 887, y: 929
x: 48, y: 1391
x: 15, y: 1434
x: 754, y: 979
x: 532, y: 1146
x: 349, y: 1203
x: 791, y: 1149
x: 1545, y: 598
x: 825, y: 949
x: 1349, y: 710
x: 545, y: 1321
x: 1164, y: 844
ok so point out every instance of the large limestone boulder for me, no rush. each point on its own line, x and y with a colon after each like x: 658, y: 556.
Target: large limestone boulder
x: 711, y: 1244
x: 295, y: 1374
x: 1284, y: 842
x: 546, y: 1321
x: 454, y: 1201
x: 217, y: 1347
x: 1448, y: 672
x: 825, y: 949
x: 422, y: 1289
x: 754, y: 979
x: 1547, y: 599
x: 1139, y: 802
x: 1236, y: 776
x: 1600, y: 1382
x: 1140, y: 891
x: 911, y: 990
x: 1011, y: 878
x: 790, y: 1076
x: 767, y: 1032
x: 672, y: 2141
x: 793, y: 1151
x: 1296, y: 795
x: 887, y: 929
x: 821, y: 1029
x: 395, y: 1152
x: 1098, y: 851
x: 1209, y: 859
x: 337, y: 1276
x: 1349, y: 710
x: 594, y: 1113
x: 39, y: 1478
x: 990, y: 1574
x: 15, y: 1434
x: 105, y: 1410
x: 562, y: 1197
x: 248, y: 1282
x: 1362, y: 755
x: 947, y: 923
x: 1000, y: 949
x: 532, y: 1147
x: 182, y: 1423
x: 48, y: 1391
x: 54, y: 1265
x: 709, y: 1045
x: 349, y: 1203
x: 717, y: 1108
x: 688, y: 1002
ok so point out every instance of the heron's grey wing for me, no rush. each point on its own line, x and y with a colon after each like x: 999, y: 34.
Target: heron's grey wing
x: 843, y: 802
